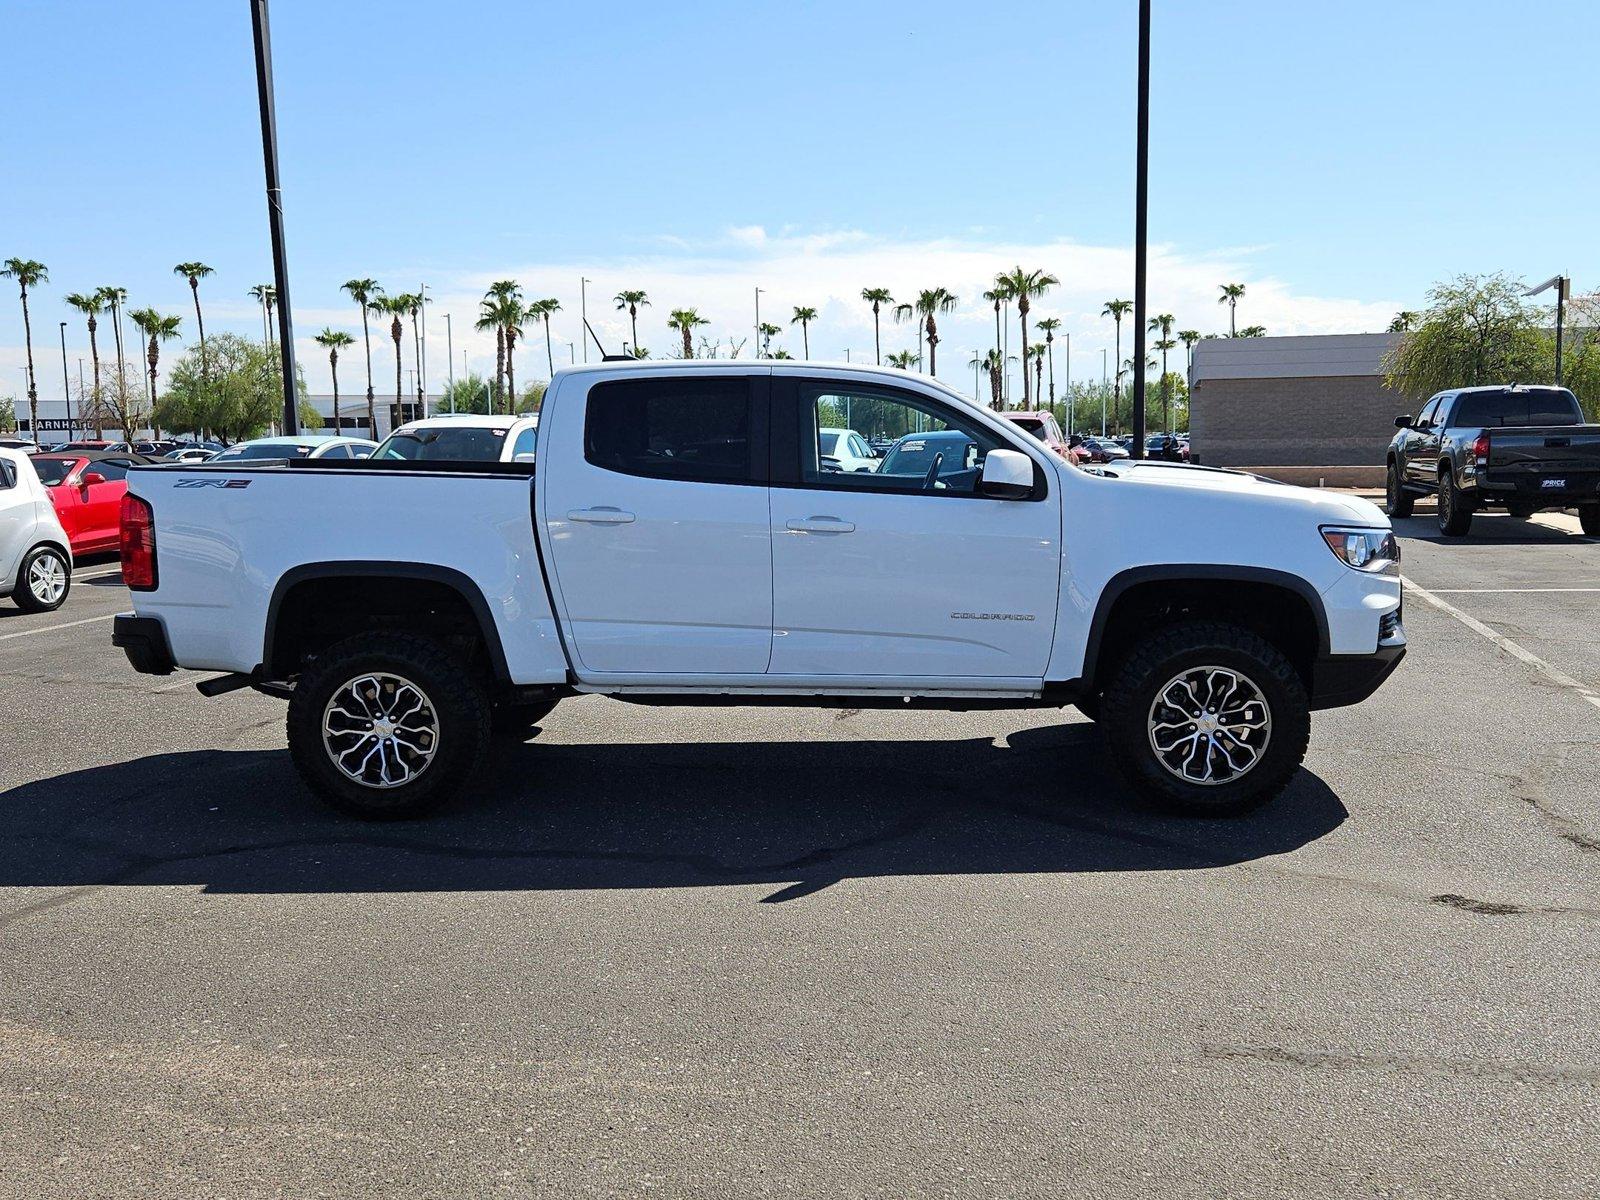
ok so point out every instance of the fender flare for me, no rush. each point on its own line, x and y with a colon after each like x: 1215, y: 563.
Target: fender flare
x: 457, y: 581
x: 1132, y: 577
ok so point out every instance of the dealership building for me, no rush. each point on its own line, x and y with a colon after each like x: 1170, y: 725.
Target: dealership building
x: 1299, y: 402
x: 59, y: 422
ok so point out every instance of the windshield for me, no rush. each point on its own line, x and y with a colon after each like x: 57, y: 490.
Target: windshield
x: 459, y: 443
x: 265, y: 450
x: 53, y: 470
x: 1540, y: 406
x: 913, y: 455
x: 1033, y: 425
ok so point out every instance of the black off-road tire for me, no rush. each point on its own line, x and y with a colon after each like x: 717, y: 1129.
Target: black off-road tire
x: 1089, y: 706
x: 1398, y: 501
x: 460, y: 708
x: 515, y: 722
x: 1455, y: 509
x: 24, y: 596
x: 1138, y: 681
x: 1589, y: 519
x: 1521, y: 511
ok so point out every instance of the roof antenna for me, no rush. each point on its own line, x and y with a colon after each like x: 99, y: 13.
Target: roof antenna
x: 604, y: 356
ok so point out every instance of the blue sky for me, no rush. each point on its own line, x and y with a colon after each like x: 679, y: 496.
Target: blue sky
x: 1334, y: 158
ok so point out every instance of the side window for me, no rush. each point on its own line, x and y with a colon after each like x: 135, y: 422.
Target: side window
x: 339, y: 451
x: 1425, y: 417
x: 526, y: 444
x: 935, y: 449
x: 8, y: 475
x: 112, y: 468
x: 1441, y: 412
x: 697, y: 429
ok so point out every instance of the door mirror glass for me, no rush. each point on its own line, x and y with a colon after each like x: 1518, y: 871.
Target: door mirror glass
x: 1007, y: 475
x: 1403, y: 422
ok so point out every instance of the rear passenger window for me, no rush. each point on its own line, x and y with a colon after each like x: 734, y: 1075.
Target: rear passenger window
x: 112, y: 468
x: 8, y: 475
x: 690, y: 429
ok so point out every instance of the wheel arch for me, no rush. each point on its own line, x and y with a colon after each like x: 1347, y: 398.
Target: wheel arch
x: 405, y: 589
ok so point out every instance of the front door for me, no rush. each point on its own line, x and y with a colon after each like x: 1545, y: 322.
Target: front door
x: 905, y: 571
x: 655, y: 500
x: 102, y: 502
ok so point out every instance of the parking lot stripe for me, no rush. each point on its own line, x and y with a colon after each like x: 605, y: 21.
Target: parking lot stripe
x: 1497, y: 591
x: 1554, y: 674
x: 6, y: 637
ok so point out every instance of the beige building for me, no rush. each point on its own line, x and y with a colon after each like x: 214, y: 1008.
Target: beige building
x: 1292, y: 401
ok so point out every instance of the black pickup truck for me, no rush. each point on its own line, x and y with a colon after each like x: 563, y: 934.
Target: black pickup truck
x: 1506, y: 446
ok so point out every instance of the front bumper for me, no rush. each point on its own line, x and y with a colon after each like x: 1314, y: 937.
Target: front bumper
x: 144, y: 641
x: 1341, y: 679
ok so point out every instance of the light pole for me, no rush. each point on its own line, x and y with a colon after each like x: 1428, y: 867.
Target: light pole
x: 1067, y: 337
x: 1563, y: 287
x: 583, y: 311
x: 1141, y: 213
x: 424, y: 318
x: 758, y: 322
x: 450, y: 358
x: 1105, y: 386
x: 977, y: 386
x: 66, y: 380
x: 280, y: 264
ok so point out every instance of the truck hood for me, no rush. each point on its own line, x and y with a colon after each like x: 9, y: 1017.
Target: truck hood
x: 1191, y: 485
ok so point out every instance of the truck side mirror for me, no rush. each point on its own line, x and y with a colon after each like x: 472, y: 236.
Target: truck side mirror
x: 1403, y: 422
x: 1007, y: 475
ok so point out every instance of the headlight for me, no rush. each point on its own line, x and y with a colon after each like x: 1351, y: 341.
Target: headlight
x: 1371, y: 550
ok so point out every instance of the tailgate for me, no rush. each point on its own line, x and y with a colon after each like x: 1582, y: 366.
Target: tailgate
x: 1545, y: 448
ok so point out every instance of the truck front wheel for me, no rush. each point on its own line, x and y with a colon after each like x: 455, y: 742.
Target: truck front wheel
x: 1207, y: 719
x: 1399, y: 502
x: 385, y: 726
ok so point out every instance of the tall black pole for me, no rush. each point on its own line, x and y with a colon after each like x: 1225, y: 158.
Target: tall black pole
x: 280, y: 265
x: 1561, y: 319
x: 1141, y: 204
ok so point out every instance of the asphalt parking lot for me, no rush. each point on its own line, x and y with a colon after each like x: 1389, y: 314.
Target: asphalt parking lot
x: 798, y: 952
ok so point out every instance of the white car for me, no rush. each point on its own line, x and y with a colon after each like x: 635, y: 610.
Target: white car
x: 310, y: 445
x: 848, y: 448
x: 682, y: 542
x: 464, y: 437
x: 35, y: 556
x: 190, y: 455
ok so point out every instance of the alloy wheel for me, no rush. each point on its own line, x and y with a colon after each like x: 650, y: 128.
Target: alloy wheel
x: 380, y: 730
x: 47, y: 579
x: 1209, y: 725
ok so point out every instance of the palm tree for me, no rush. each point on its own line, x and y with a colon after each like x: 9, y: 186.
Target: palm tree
x: 1250, y: 331
x: 334, y: 340
x: 1116, y: 310
x: 1230, y: 296
x: 686, y: 321
x: 803, y: 318
x: 1162, y: 323
x: 1188, y: 337
x: 1048, y: 326
x: 411, y: 305
x: 1035, y: 355
x: 158, y: 329
x: 28, y: 273
x: 267, y: 296
x: 1024, y: 286
x: 998, y: 295
x: 908, y: 312
x: 877, y: 297
x: 90, y: 304
x: 631, y: 303
x: 194, y: 272
x: 930, y: 302
x: 904, y: 359
x: 1164, y: 345
x: 513, y: 315
x: 394, y: 308
x: 1403, y: 321
x: 496, y: 306
x: 363, y: 292
x: 540, y: 310
x: 768, y: 331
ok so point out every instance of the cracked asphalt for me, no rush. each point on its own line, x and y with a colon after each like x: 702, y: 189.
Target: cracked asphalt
x: 751, y: 952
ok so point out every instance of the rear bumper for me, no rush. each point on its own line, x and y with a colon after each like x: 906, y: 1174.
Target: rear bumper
x: 1341, y: 679
x: 144, y: 641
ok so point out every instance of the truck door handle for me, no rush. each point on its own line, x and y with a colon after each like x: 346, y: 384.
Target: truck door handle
x: 820, y: 525
x: 600, y: 516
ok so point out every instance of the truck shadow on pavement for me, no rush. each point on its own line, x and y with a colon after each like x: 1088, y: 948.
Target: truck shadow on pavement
x: 798, y: 815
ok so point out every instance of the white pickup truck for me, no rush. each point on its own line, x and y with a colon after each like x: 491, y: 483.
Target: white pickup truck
x: 682, y: 541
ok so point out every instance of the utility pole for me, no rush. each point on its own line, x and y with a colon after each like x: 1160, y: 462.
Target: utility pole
x: 424, y: 318
x: 583, y: 311
x: 1563, y: 287
x: 1141, y: 207
x: 280, y: 265
x: 758, y: 322
x: 450, y: 358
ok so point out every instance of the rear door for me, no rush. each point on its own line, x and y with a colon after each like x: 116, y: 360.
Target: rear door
x: 905, y: 572
x: 102, y: 502
x: 654, y: 497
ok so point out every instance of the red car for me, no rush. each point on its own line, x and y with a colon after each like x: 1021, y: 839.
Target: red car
x: 86, y: 487
x: 1043, y: 426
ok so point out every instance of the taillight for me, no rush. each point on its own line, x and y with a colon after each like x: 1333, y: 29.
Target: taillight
x: 1480, y: 449
x: 138, y: 544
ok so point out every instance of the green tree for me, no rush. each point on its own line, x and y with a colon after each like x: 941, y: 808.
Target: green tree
x: 393, y: 307
x: 1048, y: 327
x: 1404, y: 321
x: 333, y: 340
x: 8, y: 415
x: 877, y: 297
x: 91, y: 305
x: 998, y: 295
x: 27, y: 273
x: 495, y: 310
x: 930, y: 303
x: 803, y: 316
x: 768, y: 331
x: 993, y: 367
x: 267, y: 296
x: 908, y: 312
x: 470, y: 394
x: 156, y: 329
x: 541, y: 310
x: 364, y: 292
x: 1024, y: 287
x: 686, y: 321
x: 905, y: 360
x: 1231, y: 294
x: 194, y: 272
x: 1116, y: 310
x: 1476, y: 330
x: 243, y: 397
x: 630, y: 302
x: 1188, y: 337
x: 1252, y: 331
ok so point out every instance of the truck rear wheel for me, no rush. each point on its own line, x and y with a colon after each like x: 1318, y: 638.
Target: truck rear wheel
x: 1207, y: 719
x: 385, y: 726
x: 1455, y: 509
x: 1399, y: 502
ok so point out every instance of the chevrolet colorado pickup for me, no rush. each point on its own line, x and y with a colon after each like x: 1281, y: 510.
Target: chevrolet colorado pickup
x: 1517, y: 448
x: 683, y: 541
